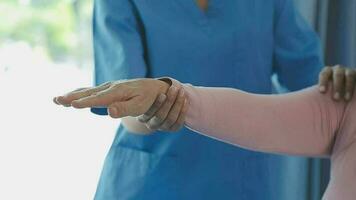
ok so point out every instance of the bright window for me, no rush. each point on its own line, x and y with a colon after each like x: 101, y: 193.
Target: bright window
x: 47, y: 152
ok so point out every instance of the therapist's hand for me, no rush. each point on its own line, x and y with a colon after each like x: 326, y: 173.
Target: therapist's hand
x: 343, y: 82
x: 122, y: 98
x: 168, y: 112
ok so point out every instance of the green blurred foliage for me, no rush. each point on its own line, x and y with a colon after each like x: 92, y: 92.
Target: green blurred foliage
x: 52, y: 24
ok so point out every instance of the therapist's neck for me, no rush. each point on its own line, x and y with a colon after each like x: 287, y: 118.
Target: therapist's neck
x: 203, y: 4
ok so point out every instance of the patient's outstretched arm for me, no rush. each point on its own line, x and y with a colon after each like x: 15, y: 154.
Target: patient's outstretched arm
x: 300, y: 123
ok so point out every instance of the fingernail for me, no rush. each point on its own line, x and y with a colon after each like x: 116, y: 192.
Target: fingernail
x: 322, y: 88
x: 348, y: 96
x: 55, y: 100
x: 59, y: 99
x: 337, y: 95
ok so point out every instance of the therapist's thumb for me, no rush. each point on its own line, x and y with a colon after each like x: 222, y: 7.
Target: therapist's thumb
x: 124, y: 109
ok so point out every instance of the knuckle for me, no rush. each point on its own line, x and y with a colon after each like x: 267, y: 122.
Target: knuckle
x: 339, y: 73
x: 326, y: 71
x: 337, y: 67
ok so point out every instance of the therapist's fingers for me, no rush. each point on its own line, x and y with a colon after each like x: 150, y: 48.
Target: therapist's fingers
x: 153, y: 109
x: 350, y: 83
x: 324, y: 77
x: 174, y: 113
x: 181, y: 119
x: 81, y: 93
x: 158, y: 118
x: 338, y: 82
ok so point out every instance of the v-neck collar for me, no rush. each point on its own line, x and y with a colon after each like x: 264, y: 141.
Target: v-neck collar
x: 202, y: 9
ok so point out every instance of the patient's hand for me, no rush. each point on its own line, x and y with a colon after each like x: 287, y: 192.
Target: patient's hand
x: 168, y: 111
x: 343, y: 82
x: 122, y: 98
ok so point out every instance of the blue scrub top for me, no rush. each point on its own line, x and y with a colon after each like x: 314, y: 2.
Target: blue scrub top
x: 237, y: 44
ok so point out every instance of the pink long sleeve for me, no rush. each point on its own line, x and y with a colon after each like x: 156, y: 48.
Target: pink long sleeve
x: 301, y: 123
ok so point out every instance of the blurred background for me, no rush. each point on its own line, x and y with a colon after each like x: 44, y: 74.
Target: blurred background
x: 49, y: 152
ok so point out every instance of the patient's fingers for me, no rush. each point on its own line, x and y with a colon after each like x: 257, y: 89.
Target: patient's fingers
x: 81, y: 93
x: 100, y: 99
x: 324, y: 77
x: 61, y: 100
